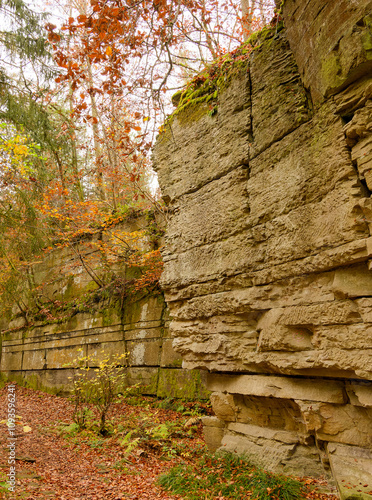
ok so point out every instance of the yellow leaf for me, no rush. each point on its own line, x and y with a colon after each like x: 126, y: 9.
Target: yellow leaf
x: 21, y: 150
x: 26, y: 428
x: 108, y: 51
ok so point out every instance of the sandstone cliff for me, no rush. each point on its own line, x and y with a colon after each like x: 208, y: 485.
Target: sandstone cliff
x: 268, y: 248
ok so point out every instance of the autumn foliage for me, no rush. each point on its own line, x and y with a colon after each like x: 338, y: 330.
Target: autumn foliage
x: 75, y: 151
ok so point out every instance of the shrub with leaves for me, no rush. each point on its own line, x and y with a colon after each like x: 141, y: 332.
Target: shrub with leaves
x: 99, y: 386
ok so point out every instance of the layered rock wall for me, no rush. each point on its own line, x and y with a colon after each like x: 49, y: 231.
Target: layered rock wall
x: 268, y: 248
x: 37, y: 352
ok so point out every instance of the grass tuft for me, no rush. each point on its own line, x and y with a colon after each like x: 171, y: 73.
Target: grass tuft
x: 229, y: 476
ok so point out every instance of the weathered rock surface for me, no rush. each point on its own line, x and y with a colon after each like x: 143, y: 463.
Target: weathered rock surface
x: 268, y: 248
x: 331, y: 42
x: 351, y: 467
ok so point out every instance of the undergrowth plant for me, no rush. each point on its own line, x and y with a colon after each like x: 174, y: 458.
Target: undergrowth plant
x: 229, y: 476
x: 99, y: 386
x: 149, y: 433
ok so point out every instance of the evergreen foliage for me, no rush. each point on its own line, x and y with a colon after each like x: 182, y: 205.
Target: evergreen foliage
x: 23, y: 36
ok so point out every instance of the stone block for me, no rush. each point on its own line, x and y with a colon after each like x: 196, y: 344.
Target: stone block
x: 224, y: 354
x: 361, y: 152
x: 12, y: 345
x: 307, y: 461
x: 52, y: 381
x: 143, y: 353
x: 224, y: 406
x: 279, y: 387
x: 12, y: 338
x: 239, y: 325
x: 275, y: 114
x: 346, y: 424
x: 213, y: 436
x: 148, y: 331
x: 87, y: 321
x: 329, y: 59
x: 18, y: 322
x: 360, y: 394
x: 284, y: 338
x: 320, y: 262
x: 57, y: 379
x: 102, y: 335
x: 105, y: 350
x: 11, y: 361
x: 256, y: 433
x: 75, y: 338
x: 265, y: 453
x: 169, y: 357
x: 355, y: 281
x: 353, y: 97
x: 224, y: 351
x: 299, y: 172
x: 145, y: 312
x: 212, y: 422
x: 332, y: 312
x: 222, y: 142
x: 209, y: 261
x: 276, y: 451
x: 56, y: 358
x: 96, y: 321
x: 239, y: 296
x: 77, y: 283
x: 269, y: 412
x: 357, y: 336
x: 352, y: 469
x: 34, y: 359
x: 146, y: 377
x: 204, y: 217
x: 183, y: 384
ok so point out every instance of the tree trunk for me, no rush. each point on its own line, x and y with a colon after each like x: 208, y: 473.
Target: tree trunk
x: 248, y: 7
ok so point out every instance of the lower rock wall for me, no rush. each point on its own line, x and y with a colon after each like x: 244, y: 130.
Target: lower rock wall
x: 268, y: 247
x: 37, y: 355
x: 288, y: 423
x: 35, y: 351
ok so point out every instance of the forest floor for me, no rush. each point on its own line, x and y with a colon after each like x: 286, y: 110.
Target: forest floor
x: 55, y: 461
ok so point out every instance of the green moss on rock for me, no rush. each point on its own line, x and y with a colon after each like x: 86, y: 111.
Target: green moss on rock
x: 31, y: 382
x: 201, y: 95
x: 182, y: 384
x: 205, y: 88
